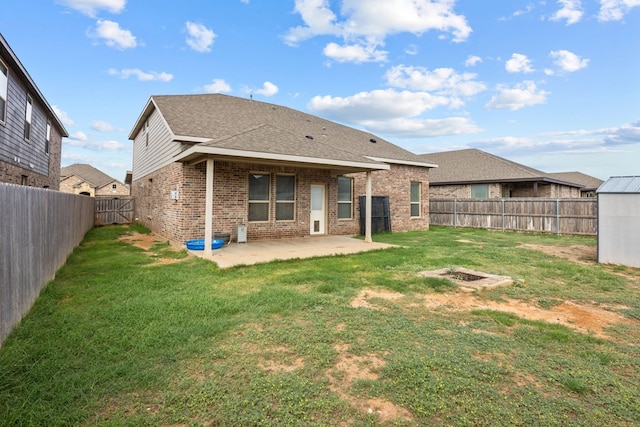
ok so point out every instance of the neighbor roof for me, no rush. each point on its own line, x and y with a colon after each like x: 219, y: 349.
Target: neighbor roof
x: 621, y: 184
x: 589, y: 183
x: 15, y: 63
x: 215, y: 123
x: 88, y: 173
x: 477, y: 166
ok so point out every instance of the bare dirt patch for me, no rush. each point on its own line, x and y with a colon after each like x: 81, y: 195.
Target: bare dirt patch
x: 581, y: 318
x: 146, y: 242
x: 350, y: 368
x: 580, y: 254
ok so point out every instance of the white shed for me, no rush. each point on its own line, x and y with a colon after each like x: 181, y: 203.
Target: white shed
x: 619, y: 221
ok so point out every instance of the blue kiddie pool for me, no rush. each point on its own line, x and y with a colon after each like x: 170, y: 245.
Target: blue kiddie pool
x: 198, y: 244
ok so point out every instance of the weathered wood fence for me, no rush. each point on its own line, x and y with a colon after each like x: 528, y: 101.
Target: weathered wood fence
x: 114, y: 210
x: 38, y: 230
x: 560, y: 216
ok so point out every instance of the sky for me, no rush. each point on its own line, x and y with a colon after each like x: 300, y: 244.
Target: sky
x: 554, y: 85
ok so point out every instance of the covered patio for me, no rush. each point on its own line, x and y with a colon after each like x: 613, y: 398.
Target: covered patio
x: 259, y: 251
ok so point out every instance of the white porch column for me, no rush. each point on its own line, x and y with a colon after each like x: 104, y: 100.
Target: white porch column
x: 367, y: 220
x: 208, y: 209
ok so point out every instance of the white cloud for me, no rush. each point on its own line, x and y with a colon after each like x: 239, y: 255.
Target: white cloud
x: 422, y: 128
x: 571, y: 11
x: 472, y: 60
x: 78, y: 136
x: 524, y: 94
x: 628, y: 134
x: 445, y: 81
x: 354, y: 53
x: 615, y: 10
x: 113, y: 35
x: 91, y: 7
x: 81, y: 141
x: 375, y: 105
x: 519, y: 64
x: 62, y: 115
x: 141, y: 75
x: 268, y: 89
x: 568, y: 61
x: 200, y: 38
x: 217, y: 86
x: 367, y: 24
x: 101, y: 126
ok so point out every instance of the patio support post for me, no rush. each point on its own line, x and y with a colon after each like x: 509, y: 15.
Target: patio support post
x: 367, y: 221
x: 208, y: 209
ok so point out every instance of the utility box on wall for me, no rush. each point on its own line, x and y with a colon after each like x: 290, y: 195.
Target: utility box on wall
x: 241, y: 232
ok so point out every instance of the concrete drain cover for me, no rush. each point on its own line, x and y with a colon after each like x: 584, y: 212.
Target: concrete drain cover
x: 469, y: 280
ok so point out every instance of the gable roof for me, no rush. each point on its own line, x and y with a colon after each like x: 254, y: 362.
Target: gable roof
x: 621, y: 184
x: 14, y: 62
x: 88, y: 173
x: 589, y: 183
x: 477, y: 166
x: 231, y: 126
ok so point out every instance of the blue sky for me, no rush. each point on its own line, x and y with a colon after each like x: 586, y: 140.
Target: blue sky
x: 554, y: 85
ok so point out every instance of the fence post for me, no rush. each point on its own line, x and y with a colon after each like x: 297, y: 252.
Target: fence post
x: 502, y: 214
x: 455, y: 213
x: 558, y: 215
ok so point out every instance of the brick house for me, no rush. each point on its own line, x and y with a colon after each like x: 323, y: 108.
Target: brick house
x: 473, y: 173
x: 89, y: 181
x: 30, y: 132
x: 207, y: 163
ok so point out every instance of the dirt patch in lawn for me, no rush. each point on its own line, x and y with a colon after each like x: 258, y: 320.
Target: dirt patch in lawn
x: 147, y: 242
x: 581, y: 318
x: 580, y: 254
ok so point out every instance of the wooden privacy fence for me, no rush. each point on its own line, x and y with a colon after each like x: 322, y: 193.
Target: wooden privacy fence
x: 560, y: 216
x: 112, y: 210
x: 38, y: 228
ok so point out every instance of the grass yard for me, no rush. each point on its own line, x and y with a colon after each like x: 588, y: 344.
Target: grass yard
x: 126, y: 336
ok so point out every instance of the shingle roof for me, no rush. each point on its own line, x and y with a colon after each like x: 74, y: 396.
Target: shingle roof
x: 241, y: 124
x: 589, y: 183
x: 88, y: 173
x: 473, y: 165
x: 621, y: 184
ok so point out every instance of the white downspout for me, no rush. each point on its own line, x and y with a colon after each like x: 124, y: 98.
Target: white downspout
x: 208, y: 209
x: 367, y: 221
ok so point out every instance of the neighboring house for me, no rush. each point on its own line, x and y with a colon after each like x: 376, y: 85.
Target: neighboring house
x: 213, y: 162
x: 589, y: 183
x: 89, y: 181
x: 473, y: 173
x: 30, y: 132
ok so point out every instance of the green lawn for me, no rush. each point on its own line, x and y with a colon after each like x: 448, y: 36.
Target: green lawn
x: 119, y: 338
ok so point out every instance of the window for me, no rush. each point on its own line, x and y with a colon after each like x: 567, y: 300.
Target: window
x: 480, y: 191
x: 4, y: 81
x: 27, y: 118
x: 48, y: 137
x: 114, y: 186
x: 285, y: 197
x: 415, y: 199
x: 259, y: 189
x: 345, y: 198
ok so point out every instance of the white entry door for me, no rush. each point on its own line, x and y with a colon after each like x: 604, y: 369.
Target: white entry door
x: 318, y: 208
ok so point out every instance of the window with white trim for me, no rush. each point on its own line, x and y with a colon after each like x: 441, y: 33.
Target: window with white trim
x: 4, y: 82
x: 259, y: 190
x: 47, y: 140
x: 285, y: 197
x: 28, y: 114
x: 415, y: 199
x: 345, y: 197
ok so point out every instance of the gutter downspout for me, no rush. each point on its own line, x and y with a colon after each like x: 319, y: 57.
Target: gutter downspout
x: 208, y: 210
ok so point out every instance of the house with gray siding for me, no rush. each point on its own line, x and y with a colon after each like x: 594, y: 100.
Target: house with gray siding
x: 30, y: 132
x: 206, y: 164
x: 474, y: 173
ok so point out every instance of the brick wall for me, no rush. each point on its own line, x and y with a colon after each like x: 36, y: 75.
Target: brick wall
x: 183, y: 219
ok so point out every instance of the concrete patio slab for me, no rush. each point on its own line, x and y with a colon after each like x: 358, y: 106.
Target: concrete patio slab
x: 260, y: 251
